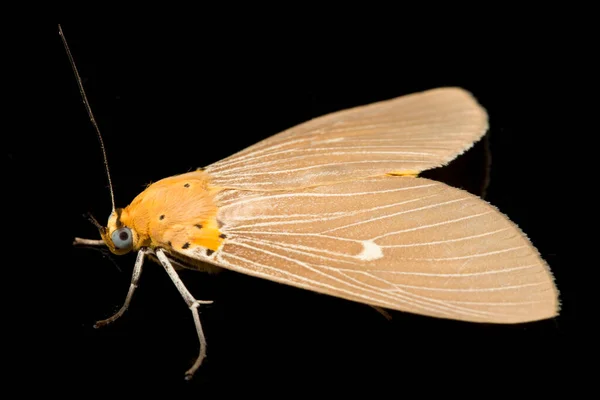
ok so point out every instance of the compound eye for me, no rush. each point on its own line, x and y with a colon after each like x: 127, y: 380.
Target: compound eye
x: 122, y: 238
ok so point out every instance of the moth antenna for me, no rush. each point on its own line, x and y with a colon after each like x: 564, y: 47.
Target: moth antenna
x: 89, y: 110
x: 93, y: 220
x: 94, y: 245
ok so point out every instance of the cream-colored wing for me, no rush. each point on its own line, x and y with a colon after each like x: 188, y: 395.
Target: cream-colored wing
x: 408, y: 134
x: 409, y: 244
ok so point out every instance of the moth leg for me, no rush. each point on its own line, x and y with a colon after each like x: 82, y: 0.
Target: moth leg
x: 192, y: 303
x: 488, y: 165
x: 137, y: 271
x: 383, y: 312
x: 88, y: 242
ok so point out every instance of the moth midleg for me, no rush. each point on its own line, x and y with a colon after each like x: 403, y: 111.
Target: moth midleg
x: 135, y: 277
x: 192, y: 303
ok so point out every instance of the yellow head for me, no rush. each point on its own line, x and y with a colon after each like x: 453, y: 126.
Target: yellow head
x: 119, y: 238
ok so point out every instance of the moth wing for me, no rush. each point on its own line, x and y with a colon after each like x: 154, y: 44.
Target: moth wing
x: 407, y: 134
x: 408, y: 244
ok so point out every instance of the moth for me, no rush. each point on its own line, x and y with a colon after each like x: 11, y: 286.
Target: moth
x: 336, y: 205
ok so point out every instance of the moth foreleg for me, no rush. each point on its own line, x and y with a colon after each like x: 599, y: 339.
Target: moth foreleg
x: 192, y: 303
x: 88, y: 242
x: 135, y: 277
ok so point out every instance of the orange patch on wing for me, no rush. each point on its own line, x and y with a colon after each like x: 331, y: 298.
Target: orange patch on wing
x: 408, y: 173
x: 209, y: 235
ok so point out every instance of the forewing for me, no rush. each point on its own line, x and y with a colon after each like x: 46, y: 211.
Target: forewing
x: 408, y: 134
x: 409, y: 244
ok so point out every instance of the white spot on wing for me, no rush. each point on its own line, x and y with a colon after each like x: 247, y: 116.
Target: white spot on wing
x: 371, y: 251
x: 334, y: 140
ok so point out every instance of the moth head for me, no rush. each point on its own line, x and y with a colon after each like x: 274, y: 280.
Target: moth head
x: 119, y: 238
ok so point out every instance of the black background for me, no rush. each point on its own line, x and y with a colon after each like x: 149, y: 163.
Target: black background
x: 171, y: 100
